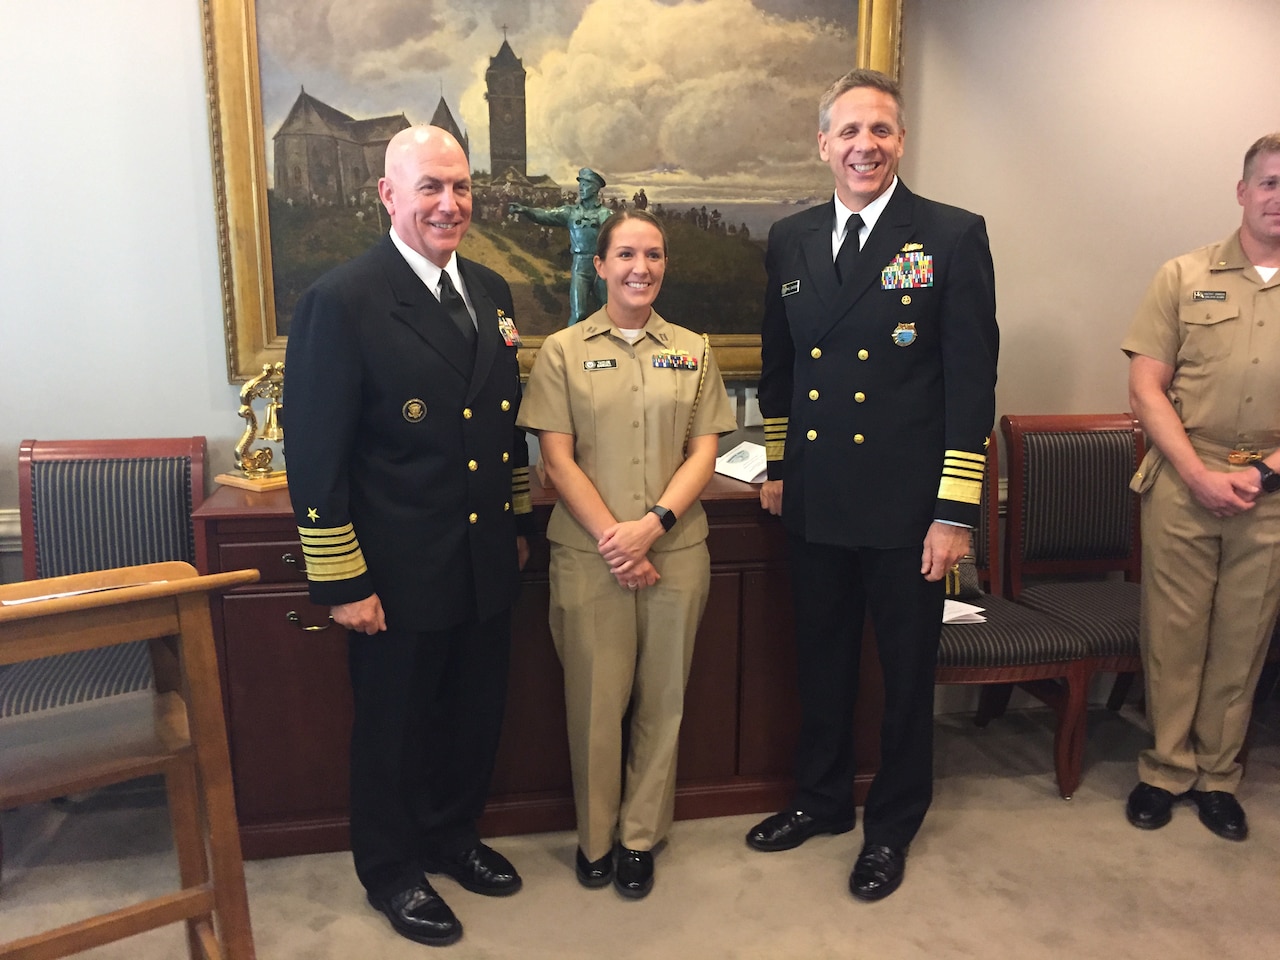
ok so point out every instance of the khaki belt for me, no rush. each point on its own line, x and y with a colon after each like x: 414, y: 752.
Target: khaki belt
x: 1240, y: 458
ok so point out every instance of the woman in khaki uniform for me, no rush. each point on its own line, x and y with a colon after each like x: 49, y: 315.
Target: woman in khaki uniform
x: 628, y: 409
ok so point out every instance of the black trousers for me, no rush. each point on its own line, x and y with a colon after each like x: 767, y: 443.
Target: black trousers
x: 834, y: 588
x: 428, y: 713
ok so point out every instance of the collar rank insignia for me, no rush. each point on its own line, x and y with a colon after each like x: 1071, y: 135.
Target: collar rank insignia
x: 507, y: 327
x: 904, y: 334
x: 675, y: 360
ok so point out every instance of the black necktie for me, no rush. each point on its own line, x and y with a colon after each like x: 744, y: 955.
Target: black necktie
x: 848, y: 254
x: 452, y: 301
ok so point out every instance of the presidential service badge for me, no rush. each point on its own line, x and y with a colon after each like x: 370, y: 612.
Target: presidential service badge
x: 414, y: 410
x: 904, y: 334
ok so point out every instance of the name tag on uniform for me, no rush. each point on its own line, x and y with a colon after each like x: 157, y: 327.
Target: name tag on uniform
x: 599, y: 364
x: 1209, y: 295
x: 674, y: 360
x: 789, y: 288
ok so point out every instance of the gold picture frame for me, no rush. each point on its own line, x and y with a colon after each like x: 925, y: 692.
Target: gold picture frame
x: 240, y: 184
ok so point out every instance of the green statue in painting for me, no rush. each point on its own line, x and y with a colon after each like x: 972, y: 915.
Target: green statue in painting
x: 586, y: 289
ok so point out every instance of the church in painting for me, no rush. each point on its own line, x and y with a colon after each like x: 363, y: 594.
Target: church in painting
x: 326, y: 157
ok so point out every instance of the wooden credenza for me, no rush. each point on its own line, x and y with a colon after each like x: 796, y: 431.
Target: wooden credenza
x: 288, y: 700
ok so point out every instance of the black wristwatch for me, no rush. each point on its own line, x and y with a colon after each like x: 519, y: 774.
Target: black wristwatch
x: 1270, y: 479
x: 668, y: 519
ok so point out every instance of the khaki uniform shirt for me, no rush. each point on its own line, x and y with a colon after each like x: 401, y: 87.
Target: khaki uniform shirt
x: 1209, y: 316
x: 628, y: 410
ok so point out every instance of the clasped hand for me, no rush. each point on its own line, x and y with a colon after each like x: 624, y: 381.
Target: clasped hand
x: 625, y: 547
x: 1226, y: 494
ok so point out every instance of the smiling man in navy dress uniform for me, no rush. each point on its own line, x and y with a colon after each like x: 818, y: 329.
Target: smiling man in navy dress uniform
x: 877, y: 388
x: 409, y: 481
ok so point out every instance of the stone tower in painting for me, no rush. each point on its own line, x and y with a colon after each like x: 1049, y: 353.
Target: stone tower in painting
x: 504, y: 84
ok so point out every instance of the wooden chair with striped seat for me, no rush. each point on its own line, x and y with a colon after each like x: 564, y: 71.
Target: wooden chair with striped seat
x: 1017, y: 645
x: 88, y: 505
x: 1073, y: 525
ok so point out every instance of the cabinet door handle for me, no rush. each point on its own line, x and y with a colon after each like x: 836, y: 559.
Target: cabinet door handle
x: 292, y: 617
x: 289, y: 560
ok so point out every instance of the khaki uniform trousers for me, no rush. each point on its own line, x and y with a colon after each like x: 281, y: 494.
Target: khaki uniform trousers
x: 1210, y: 593
x: 623, y: 647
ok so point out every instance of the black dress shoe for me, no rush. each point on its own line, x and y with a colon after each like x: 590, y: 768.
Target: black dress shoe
x: 480, y: 870
x: 420, y: 915
x: 594, y: 873
x: 1221, y: 812
x: 790, y: 828
x: 877, y: 872
x: 633, y: 875
x: 1148, y: 807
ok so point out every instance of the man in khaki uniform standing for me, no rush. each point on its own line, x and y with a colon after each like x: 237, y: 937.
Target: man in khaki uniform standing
x: 1204, y: 379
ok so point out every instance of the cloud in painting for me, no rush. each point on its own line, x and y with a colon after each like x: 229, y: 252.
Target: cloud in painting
x: 707, y: 91
x: 716, y: 90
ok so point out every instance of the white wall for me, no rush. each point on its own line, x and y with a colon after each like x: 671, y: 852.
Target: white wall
x: 110, y: 312
x: 1098, y: 137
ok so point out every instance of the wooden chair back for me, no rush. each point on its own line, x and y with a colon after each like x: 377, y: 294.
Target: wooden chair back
x: 1070, y: 510
x: 96, y: 505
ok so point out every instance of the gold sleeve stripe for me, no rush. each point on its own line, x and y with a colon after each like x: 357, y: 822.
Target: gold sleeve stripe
x: 978, y: 458
x: 963, y: 491
x: 344, y: 532
x: 340, y: 568
x: 327, y: 549
x: 332, y: 553
x: 775, y: 437
x: 521, y: 502
x: 953, y: 470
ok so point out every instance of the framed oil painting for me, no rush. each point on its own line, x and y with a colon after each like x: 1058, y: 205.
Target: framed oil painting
x: 701, y: 111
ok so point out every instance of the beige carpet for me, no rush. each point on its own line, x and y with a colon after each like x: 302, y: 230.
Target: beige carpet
x: 1002, y: 869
